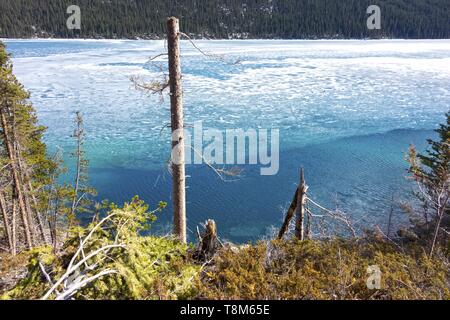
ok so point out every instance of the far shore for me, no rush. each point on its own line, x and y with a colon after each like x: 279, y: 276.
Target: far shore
x: 217, y: 39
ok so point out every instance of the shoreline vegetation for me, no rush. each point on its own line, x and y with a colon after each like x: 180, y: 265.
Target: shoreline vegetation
x: 45, y: 253
x: 229, y: 19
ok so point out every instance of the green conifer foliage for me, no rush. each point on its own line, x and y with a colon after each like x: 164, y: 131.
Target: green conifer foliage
x: 147, y: 267
x: 431, y: 171
x: 289, y: 19
x: 26, y: 168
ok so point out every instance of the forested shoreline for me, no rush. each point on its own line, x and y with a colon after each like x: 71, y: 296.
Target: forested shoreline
x: 226, y: 19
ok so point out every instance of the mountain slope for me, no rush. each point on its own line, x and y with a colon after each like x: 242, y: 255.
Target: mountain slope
x: 227, y: 18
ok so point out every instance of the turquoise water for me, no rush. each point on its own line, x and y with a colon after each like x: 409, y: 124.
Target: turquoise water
x: 346, y: 111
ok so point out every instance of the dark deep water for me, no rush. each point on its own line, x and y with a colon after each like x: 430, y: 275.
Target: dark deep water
x: 359, y: 174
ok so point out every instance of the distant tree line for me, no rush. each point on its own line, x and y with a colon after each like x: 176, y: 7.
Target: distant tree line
x: 286, y: 19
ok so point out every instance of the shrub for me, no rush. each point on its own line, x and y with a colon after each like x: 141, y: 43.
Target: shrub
x: 146, y: 267
x: 335, y: 269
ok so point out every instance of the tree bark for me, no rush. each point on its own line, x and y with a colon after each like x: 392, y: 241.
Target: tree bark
x: 208, y: 241
x: 17, y: 181
x: 78, y: 172
x: 289, y: 215
x: 441, y: 205
x: 14, y: 226
x: 28, y: 189
x: 53, y: 226
x: 176, y: 109
x: 4, y: 212
x: 301, y: 201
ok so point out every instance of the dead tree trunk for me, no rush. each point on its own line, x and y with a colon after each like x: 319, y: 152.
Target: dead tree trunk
x: 28, y: 190
x: 289, y: 216
x: 177, y: 125
x: 301, y: 202
x: 40, y: 220
x: 17, y: 180
x: 441, y: 207
x: 53, y: 225
x: 52, y: 211
x: 4, y: 212
x: 391, y: 213
x: 14, y: 222
x: 79, y: 136
x: 298, y: 207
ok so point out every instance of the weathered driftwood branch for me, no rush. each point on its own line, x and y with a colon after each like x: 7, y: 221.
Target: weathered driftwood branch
x: 69, y: 287
x: 79, y: 283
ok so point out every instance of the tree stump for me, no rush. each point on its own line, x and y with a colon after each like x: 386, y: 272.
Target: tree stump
x: 208, y: 242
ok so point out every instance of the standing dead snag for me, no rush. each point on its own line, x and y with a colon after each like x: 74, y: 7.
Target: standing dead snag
x: 177, y: 125
x: 297, y: 206
x: 304, y: 215
x: 289, y: 216
x: 301, y: 202
x: 81, y: 198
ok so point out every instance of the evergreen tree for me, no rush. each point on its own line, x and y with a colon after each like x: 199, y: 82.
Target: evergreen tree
x: 82, y: 192
x: 25, y: 167
x: 289, y: 19
x: 431, y: 170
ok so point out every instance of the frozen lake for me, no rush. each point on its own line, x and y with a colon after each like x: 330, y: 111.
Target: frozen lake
x: 346, y: 111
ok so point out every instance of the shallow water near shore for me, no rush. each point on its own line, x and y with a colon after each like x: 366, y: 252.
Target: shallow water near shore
x: 346, y: 111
